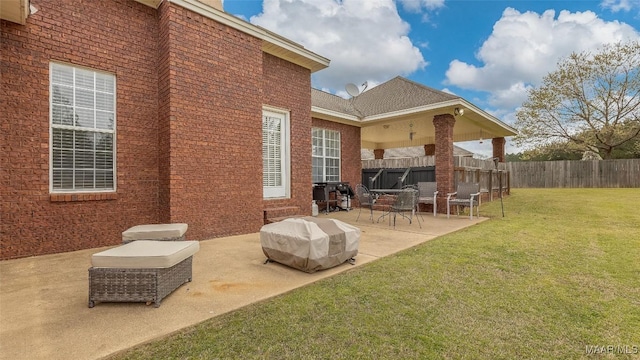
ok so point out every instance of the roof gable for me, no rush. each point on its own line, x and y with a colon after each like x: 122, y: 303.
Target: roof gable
x: 398, y: 94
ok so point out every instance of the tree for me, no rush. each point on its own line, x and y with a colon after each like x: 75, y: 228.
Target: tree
x: 591, y: 100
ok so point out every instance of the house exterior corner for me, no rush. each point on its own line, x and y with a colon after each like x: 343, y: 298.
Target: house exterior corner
x: 122, y: 114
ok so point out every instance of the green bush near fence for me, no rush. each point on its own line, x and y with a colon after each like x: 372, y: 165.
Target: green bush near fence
x: 558, y: 277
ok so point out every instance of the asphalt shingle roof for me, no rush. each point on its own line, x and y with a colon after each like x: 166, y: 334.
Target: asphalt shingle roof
x: 396, y: 94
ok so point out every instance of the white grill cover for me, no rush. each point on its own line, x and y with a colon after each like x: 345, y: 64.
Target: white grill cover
x: 310, y: 244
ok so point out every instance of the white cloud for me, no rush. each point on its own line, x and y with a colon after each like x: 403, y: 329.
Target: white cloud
x: 365, y: 40
x: 509, y: 97
x: 417, y: 5
x: 448, y: 91
x: 526, y: 46
x: 619, y: 5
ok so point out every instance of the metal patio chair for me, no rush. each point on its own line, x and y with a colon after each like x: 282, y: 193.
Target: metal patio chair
x: 428, y: 192
x: 406, y: 202
x: 365, y: 198
x: 467, y: 194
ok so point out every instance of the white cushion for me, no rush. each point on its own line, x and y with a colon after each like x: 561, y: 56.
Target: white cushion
x: 154, y: 231
x: 145, y: 254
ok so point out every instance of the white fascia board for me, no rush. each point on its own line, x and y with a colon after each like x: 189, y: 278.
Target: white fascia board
x: 248, y: 28
x: 333, y: 115
x: 456, y: 102
x: 488, y: 116
x: 411, y: 111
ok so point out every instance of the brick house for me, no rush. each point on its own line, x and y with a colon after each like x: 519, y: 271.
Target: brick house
x: 122, y: 112
x: 125, y: 112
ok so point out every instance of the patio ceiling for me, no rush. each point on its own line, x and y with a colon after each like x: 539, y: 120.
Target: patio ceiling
x: 388, y: 113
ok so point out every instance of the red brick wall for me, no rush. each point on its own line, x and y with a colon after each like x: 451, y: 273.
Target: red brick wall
x: 213, y: 125
x: 444, y: 157
x: 165, y: 80
x: 498, y: 148
x: 189, y: 103
x: 351, y: 163
x: 288, y: 86
x: 117, y: 36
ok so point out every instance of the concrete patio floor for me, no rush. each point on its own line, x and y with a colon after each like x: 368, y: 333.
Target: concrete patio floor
x: 43, y: 300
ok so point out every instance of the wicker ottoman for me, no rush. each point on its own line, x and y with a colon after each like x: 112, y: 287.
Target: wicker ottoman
x: 141, y: 271
x: 159, y: 232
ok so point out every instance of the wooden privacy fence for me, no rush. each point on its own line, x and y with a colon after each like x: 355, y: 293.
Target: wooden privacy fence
x: 621, y: 173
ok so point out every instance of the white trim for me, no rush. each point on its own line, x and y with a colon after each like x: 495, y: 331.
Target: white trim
x: 324, y: 156
x: 283, y: 191
x: 77, y: 128
x: 348, y: 119
x: 412, y: 111
x: 488, y: 116
x: 336, y: 116
x: 275, y: 109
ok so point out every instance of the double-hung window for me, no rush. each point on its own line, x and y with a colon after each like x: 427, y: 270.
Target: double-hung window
x: 325, y: 155
x: 82, y: 129
x: 275, y: 154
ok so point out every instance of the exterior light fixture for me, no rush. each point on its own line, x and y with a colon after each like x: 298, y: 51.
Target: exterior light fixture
x: 458, y: 111
x: 411, y: 132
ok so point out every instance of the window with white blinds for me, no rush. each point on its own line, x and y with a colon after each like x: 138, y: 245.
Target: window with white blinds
x: 275, y: 154
x: 325, y: 155
x: 82, y: 129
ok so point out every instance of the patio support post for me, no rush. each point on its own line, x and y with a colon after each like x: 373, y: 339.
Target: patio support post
x: 443, y: 124
x: 498, y: 147
x: 378, y: 153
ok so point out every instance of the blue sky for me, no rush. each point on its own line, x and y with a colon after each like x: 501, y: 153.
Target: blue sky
x: 488, y: 52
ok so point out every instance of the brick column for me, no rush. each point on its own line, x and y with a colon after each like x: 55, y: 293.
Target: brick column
x: 430, y: 149
x: 444, y: 157
x: 378, y: 153
x: 498, y: 148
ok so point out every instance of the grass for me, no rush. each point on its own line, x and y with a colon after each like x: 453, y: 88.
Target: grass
x: 559, y: 273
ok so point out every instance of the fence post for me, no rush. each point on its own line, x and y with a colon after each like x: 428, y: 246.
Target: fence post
x: 490, y: 185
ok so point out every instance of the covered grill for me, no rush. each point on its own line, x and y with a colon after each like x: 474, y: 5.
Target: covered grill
x: 310, y: 244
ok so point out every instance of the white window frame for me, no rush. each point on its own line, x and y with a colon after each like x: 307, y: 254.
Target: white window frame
x: 99, y: 94
x: 282, y: 188
x: 320, y: 153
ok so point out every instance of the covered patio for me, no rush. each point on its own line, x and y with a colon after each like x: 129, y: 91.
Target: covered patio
x: 402, y: 113
x: 44, y: 299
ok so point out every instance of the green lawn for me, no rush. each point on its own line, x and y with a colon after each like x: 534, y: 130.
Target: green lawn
x: 560, y: 273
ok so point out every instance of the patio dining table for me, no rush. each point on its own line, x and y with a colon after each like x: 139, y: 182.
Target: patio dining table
x: 379, y: 192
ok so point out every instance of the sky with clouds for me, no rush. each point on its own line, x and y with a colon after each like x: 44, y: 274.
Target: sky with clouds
x: 486, y: 51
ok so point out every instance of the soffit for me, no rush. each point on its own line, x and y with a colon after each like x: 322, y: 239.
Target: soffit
x: 151, y: 3
x: 15, y: 11
x: 388, y: 132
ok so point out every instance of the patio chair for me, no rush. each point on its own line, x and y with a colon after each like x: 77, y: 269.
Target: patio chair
x: 365, y: 198
x: 428, y: 191
x: 406, y: 202
x: 467, y: 194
